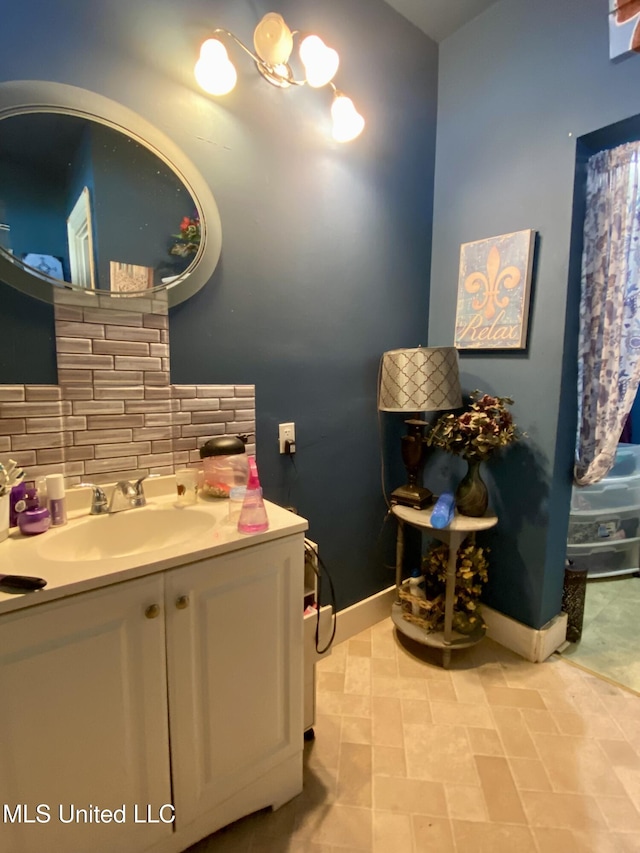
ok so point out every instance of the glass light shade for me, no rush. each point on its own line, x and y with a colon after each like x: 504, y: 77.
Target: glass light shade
x: 273, y: 40
x: 424, y: 379
x: 320, y: 62
x: 213, y: 71
x: 347, y: 121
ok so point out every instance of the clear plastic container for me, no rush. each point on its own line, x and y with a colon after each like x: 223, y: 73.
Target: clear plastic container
x: 224, y: 465
x: 186, y: 486
x: 619, y: 493
x: 594, y: 526
x: 606, y: 559
x: 627, y: 461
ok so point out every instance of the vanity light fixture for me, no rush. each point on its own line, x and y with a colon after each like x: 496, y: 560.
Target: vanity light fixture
x: 273, y: 44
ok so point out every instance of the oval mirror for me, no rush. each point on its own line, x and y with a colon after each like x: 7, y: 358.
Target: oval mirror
x: 94, y: 198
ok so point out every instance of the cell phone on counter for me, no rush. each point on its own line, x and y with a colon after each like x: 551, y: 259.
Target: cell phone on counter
x: 20, y: 583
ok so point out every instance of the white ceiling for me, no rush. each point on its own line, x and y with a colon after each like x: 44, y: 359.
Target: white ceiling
x: 439, y: 18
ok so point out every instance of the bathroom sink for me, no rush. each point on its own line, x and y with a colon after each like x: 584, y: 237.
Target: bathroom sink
x: 124, y: 534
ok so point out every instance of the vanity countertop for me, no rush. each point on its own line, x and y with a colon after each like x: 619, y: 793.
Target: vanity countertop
x: 32, y: 555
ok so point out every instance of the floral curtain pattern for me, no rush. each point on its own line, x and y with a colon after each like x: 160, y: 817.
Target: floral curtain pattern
x: 609, y: 342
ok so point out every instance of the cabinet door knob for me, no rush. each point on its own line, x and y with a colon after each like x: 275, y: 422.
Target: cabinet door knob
x: 152, y: 611
x: 182, y: 602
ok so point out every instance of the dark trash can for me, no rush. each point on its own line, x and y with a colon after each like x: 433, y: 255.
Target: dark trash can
x: 573, y: 596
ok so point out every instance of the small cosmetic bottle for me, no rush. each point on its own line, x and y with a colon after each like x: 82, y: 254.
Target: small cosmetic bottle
x: 56, y: 499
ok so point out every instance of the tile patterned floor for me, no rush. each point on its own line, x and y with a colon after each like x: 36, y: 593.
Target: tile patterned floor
x: 610, y: 641
x: 495, y: 755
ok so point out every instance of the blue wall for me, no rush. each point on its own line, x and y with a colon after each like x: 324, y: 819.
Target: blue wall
x: 137, y: 205
x: 518, y: 87
x: 35, y: 208
x: 326, y: 248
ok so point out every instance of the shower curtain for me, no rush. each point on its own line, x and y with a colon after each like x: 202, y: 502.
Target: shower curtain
x: 609, y: 342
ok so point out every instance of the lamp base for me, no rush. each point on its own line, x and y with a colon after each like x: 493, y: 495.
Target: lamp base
x: 416, y: 497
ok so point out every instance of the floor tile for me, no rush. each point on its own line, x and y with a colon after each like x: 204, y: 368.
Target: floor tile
x: 466, y: 802
x: 432, y: 835
x: 355, y: 775
x: 620, y: 814
x: 389, y: 761
x: 493, y: 838
x: 494, y: 755
x: 392, y: 832
x: 499, y: 789
x: 529, y: 774
x: 409, y: 796
x: 517, y: 697
x: 578, y: 765
x: 608, y: 645
x: 560, y: 810
x: 485, y: 741
x: 439, y: 753
x: 355, y: 730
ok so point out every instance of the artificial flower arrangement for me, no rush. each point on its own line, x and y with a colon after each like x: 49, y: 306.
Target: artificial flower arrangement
x: 476, y: 434
x: 188, y: 238
x: 471, y: 574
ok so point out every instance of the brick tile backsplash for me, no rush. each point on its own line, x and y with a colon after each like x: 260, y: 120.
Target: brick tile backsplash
x: 34, y: 393
x: 126, y: 333
x: 12, y: 393
x: 114, y: 413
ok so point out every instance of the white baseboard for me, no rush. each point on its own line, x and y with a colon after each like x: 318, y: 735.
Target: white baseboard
x: 533, y: 644
x: 364, y: 614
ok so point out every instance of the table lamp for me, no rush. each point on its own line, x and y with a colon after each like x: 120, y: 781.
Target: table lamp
x: 424, y: 379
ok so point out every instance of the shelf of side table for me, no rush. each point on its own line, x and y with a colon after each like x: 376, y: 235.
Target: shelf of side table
x: 453, y: 535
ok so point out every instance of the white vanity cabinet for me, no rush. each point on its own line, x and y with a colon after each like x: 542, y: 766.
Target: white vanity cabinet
x: 181, y: 689
x: 234, y: 664
x: 83, y: 705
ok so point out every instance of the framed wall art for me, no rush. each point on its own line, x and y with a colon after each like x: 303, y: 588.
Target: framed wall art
x: 494, y: 283
x: 48, y: 264
x: 624, y: 28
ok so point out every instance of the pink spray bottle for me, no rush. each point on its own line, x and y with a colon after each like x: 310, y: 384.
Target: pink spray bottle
x: 253, y: 515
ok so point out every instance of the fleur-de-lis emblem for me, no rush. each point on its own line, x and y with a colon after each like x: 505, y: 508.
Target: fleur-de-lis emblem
x: 491, y: 283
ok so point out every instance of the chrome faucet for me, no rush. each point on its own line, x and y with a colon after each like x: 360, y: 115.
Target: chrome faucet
x: 99, y: 502
x: 127, y: 495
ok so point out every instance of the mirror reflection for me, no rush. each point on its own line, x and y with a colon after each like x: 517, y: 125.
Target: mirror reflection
x: 84, y: 204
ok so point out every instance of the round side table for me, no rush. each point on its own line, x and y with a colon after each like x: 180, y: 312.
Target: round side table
x: 453, y: 535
